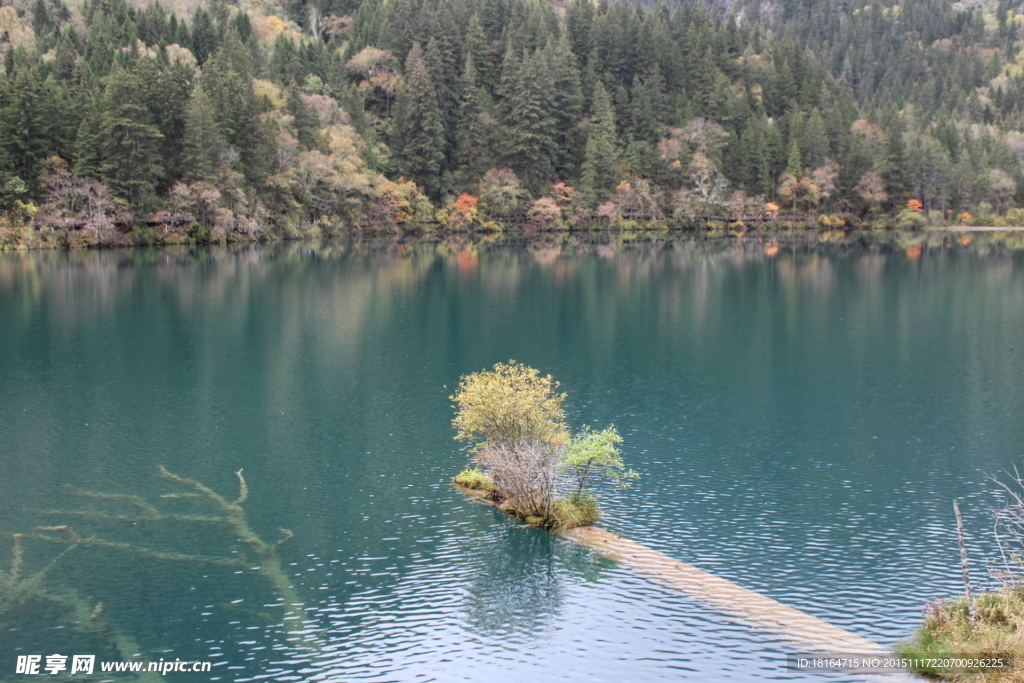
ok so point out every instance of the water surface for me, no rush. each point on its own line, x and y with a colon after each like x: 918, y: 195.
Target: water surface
x: 802, y: 420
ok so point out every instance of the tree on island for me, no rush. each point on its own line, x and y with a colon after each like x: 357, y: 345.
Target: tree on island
x: 526, y: 460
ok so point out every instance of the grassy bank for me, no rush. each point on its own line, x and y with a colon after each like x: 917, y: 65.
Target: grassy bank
x: 947, y: 633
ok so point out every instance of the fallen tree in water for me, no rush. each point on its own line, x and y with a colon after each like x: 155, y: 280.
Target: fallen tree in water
x: 25, y: 584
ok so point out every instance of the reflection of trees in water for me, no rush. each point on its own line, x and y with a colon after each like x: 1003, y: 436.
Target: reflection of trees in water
x: 229, y: 275
x: 521, y: 581
x: 518, y: 589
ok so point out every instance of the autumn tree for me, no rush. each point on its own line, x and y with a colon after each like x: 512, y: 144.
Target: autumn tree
x: 871, y: 189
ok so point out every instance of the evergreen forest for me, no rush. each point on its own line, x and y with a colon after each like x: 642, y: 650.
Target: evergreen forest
x: 243, y: 119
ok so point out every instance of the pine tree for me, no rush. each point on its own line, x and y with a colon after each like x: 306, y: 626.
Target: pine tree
x: 530, y: 125
x: 894, y: 170
x: 440, y: 60
x: 417, y: 135
x: 304, y: 121
x: 600, y: 155
x: 476, y: 44
x: 755, y: 159
x: 228, y: 84
x: 89, y: 141
x: 566, y: 104
x: 203, y: 142
x: 168, y: 95
x: 131, y: 141
x: 26, y: 129
x: 40, y: 17
x: 473, y: 154
x: 814, y: 142
x: 579, y: 21
x: 649, y: 106
x: 204, y: 35
x: 794, y: 159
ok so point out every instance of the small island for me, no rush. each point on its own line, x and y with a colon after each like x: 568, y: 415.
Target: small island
x: 979, y: 636
x: 525, y: 460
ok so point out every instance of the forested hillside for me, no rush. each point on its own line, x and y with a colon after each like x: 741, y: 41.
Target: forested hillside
x: 258, y: 118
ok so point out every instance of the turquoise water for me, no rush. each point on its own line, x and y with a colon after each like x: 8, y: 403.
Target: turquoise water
x: 802, y: 423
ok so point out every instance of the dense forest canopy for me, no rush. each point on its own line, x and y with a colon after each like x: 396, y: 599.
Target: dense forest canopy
x: 253, y: 116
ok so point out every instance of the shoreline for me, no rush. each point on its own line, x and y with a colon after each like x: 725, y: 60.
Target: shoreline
x: 973, y: 228
x: 73, y: 240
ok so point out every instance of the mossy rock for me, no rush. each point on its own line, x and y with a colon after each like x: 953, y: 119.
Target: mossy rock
x: 475, y: 479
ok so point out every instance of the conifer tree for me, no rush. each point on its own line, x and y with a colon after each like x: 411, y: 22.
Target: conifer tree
x: 477, y: 45
x: 566, y: 105
x: 40, y: 17
x: 203, y: 141
x: 600, y: 155
x: 473, y: 155
x: 814, y: 144
x: 204, y: 35
x: 440, y: 60
x: 228, y: 84
x: 417, y: 134
x: 168, y: 93
x: 131, y: 141
x: 304, y: 121
x: 88, y: 141
x: 894, y: 169
x: 26, y: 128
x: 530, y: 125
x: 755, y: 159
x: 649, y: 106
x: 794, y: 159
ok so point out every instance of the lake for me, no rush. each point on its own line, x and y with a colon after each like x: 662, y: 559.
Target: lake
x: 802, y: 418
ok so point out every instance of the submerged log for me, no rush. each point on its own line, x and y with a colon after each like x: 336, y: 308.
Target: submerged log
x: 751, y: 607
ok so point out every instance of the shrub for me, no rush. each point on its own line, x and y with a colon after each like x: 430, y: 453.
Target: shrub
x: 79, y: 239
x: 909, y: 219
x: 143, y: 235
x: 593, y: 457
x: 501, y: 192
x: 197, y: 231
x: 544, y: 212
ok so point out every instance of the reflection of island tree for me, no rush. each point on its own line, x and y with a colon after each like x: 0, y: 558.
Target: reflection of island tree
x: 521, y: 579
x: 21, y: 589
x: 518, y: 591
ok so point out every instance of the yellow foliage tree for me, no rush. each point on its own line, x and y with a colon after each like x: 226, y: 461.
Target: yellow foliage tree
x: 509, y: 405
